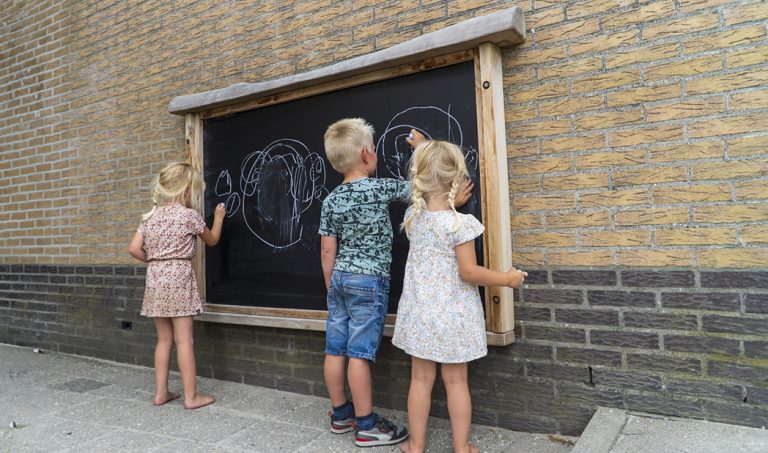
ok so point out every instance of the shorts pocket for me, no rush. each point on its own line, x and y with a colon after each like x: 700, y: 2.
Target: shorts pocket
x: 360, y: 302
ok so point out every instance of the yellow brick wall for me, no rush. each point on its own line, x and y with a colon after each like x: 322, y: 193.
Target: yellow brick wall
x: 638, y: 134
x: 637, y: 130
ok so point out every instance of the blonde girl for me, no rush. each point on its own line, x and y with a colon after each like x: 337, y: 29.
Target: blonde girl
x: 440, y: 316
x: 166, y: 241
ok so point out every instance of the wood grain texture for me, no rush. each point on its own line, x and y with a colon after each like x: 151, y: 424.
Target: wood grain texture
x: 495, y: 183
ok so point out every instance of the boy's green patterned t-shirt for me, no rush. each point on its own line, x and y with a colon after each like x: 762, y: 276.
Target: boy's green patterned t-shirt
x: 357, y: 215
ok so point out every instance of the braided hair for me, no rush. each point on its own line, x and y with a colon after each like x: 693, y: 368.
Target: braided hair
x: 436, y: 167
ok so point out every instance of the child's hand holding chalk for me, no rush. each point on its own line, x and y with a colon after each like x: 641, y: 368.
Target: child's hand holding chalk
x: 415, y: 138
x: 219, y: 212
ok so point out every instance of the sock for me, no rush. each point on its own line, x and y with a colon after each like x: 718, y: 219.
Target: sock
x: 367, y: 421
x: 346, y: 410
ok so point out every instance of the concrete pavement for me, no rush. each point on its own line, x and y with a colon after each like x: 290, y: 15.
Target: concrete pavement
x: 620, y: 431
x: 69, y: 403
x: 65, y: 403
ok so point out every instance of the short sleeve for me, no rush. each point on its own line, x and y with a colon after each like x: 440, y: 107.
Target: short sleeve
x: 469, y: 229
x: 196, y: 222
x: 326, y: 225
x: 140, y: 229
x: 395, y: 189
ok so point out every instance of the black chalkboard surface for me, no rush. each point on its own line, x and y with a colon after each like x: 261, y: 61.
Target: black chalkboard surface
x: 269, y: 167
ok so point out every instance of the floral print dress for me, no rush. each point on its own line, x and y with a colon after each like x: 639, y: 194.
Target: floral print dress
x: 170, y: 242
x: 440, y: 316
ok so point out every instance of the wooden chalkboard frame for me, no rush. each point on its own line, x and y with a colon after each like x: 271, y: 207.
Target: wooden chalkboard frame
x: 494, y: 183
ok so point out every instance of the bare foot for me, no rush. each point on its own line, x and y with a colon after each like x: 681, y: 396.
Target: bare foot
x: 200, y: 400
x: 162, y: 399
x: 470, y: 448
x: 405, y: 447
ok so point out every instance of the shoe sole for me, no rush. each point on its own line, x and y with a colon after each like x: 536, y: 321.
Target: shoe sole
x: 378, y: 443
x: 342, y: 430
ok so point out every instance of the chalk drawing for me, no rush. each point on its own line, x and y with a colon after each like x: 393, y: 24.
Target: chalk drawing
x: 396, y: 152
x: 277, y: 185
x: 280, y: 182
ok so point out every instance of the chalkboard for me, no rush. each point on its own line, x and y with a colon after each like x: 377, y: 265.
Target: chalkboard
x: 269, y: 168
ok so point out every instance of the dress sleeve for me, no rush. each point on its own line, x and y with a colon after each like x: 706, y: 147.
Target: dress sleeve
x: 469, y: 229
x: 196, y: 222
x: 327, y: 228
x: 140, y: 229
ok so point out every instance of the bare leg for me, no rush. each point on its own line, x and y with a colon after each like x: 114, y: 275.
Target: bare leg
x: 459, y: 404
x: 359, y: 374
x: 185, y: 352
x: 423, y: 374
x: 335, y: 377
x: 162, y: 361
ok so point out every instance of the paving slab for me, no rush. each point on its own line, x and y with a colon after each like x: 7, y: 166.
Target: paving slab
x: 621, y: 431
x: 66, y: 403
x: 652, y: 433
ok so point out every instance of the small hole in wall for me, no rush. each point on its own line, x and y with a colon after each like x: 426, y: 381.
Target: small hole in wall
x: 745, y: 399
x: 591, y: 380
x: 126, y: 325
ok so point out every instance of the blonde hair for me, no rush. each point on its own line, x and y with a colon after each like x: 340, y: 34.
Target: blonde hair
x: 343, y: 141
x: 436, y: 167
x: 178, y: 182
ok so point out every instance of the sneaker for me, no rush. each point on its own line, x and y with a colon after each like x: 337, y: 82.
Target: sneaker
x: 384, y: 432
x: 341, y: 425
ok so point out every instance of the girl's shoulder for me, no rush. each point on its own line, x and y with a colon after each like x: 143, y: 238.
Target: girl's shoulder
x: 177, y: 209
x: 189, y: 211
x: 469, y: 228
x: 471, y: 221
x: 178, y: 212
x: 469, y: 218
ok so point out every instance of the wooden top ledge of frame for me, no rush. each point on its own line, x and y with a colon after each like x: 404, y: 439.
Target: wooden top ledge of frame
x: 503, y: 28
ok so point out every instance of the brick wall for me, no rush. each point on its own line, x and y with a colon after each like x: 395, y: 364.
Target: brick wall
x: 637, y: 135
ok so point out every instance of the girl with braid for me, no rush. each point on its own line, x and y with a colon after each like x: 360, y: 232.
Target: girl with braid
x: 440, y: 316
x: 166, y: 241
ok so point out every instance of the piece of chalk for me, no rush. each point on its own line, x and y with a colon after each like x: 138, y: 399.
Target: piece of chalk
x: 13, y: 424
x: 410, y: 136
x: 36, y: 350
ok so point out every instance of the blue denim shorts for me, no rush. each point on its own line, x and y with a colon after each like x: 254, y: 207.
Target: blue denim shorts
x: 357, y: 308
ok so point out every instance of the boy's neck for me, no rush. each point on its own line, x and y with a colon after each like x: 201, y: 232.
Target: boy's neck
x: 354, y: 175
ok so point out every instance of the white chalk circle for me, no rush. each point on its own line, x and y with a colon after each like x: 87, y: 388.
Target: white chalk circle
x: 278, y: 184
x: 396, y: 153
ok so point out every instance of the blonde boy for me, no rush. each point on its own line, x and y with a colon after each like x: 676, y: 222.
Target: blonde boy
x: 356, y: 253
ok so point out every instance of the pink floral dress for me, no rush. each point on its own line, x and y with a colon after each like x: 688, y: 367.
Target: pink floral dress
x: 440, y: 316
x: 170, y: 242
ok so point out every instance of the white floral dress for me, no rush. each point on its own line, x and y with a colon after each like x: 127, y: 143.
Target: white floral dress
x: 440, y: 316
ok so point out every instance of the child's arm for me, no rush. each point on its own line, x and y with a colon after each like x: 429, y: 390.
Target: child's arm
x: 136, y: 248
x: 328, y: 247
x: 211, y: 237
x: 472, y: 273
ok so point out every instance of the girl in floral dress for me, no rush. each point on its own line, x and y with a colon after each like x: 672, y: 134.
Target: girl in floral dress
x: 166, y: 240
x: 440, y: 316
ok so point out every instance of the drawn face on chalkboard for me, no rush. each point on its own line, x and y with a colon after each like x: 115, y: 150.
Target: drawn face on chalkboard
x: 278, y: 184
x: 396, y: 152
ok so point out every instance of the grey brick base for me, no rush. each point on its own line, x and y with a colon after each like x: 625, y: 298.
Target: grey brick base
x: 687, y: 343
